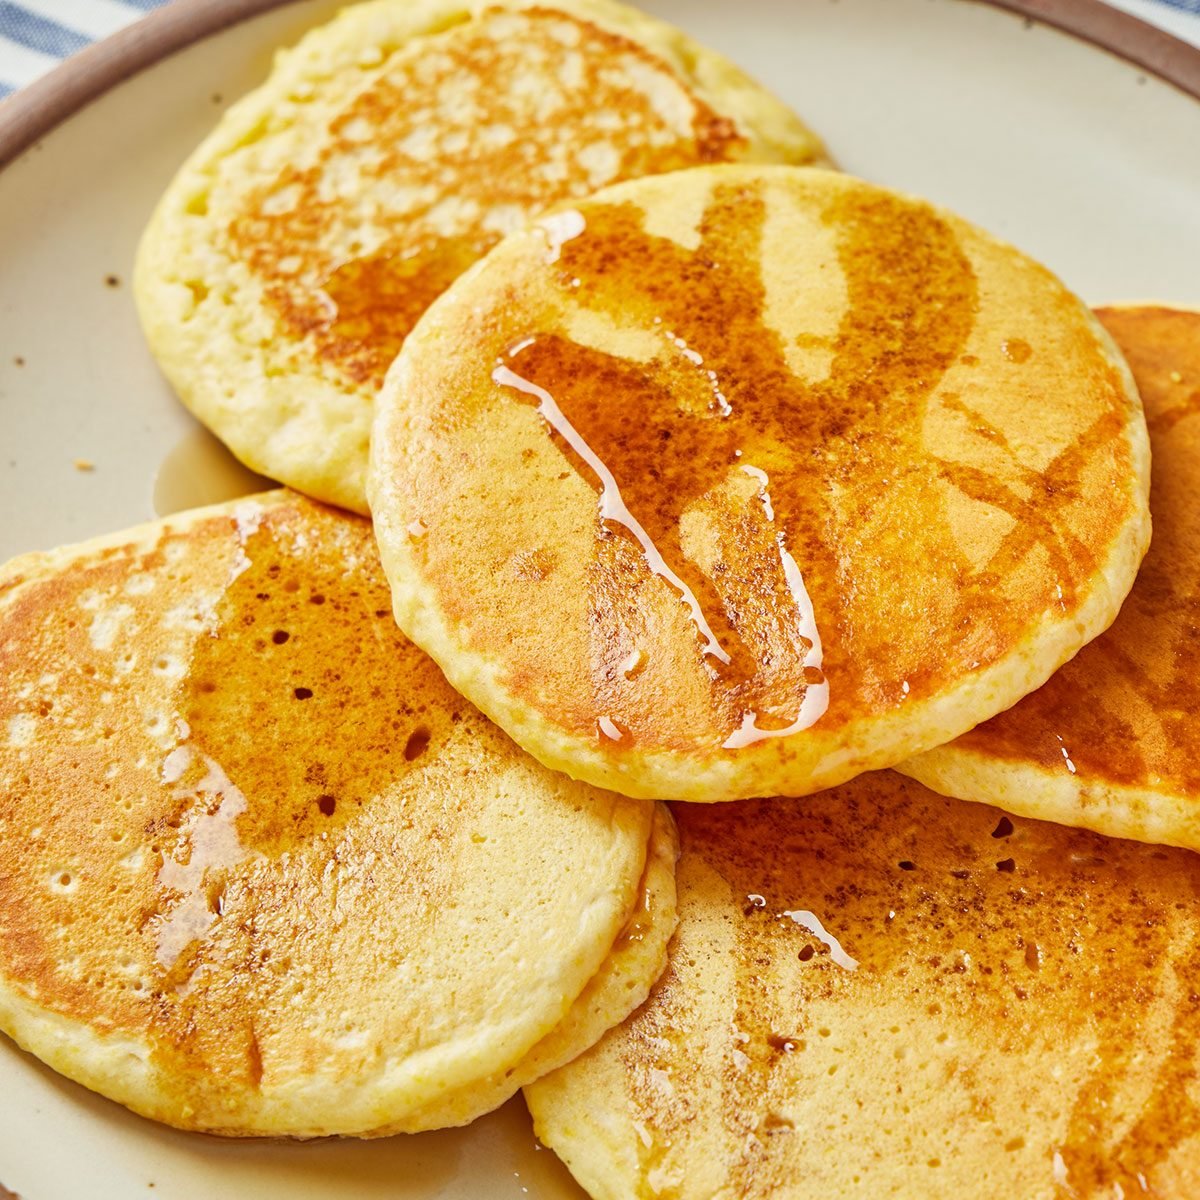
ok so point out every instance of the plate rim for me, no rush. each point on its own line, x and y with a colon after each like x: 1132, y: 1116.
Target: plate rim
x: 38, y: 109
x: 30, y: 113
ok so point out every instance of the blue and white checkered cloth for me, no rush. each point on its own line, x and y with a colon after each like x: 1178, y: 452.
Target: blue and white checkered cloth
x: 36, y: 34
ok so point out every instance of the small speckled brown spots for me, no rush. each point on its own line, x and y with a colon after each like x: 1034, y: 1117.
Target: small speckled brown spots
x: 991, y: 1024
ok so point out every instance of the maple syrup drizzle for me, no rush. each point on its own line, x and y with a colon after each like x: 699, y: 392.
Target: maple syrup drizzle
x: 810, y: 921
x: 612, y: 506
x: 816, y: 695
x: 560, y: 227
x: 1123, y: 710
x: 211, y: 843
x: 722, y: 396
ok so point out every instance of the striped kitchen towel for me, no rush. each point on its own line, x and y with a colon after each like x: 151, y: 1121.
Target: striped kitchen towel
x: 36, y: 34
x: 1180, y: 17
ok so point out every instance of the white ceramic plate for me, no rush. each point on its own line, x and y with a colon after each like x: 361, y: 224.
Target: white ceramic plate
x: 1087, y: 162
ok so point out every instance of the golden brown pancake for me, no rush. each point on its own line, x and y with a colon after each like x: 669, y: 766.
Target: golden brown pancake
x: 743, y: 480
x: 1112, y: 741
x: 883, y: 992
x: 265, y: 872
x: 392, y: 147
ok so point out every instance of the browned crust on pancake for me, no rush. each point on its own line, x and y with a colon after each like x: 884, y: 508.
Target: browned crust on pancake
x: 1112, y: 741
x: 264, y: 866
x: 1021, y: 1019
x: 954, y: 551
x: 378, y: 298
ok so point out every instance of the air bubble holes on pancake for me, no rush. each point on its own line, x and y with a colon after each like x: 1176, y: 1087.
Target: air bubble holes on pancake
x: 63, y: 881
x: 417, y: 744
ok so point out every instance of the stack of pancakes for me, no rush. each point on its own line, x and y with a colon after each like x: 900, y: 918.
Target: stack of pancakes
x: 698, y: 472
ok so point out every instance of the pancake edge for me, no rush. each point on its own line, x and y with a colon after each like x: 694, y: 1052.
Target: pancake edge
x: 32, y: 566
x: 120, y: 1066
x: 1120, y: 810
x: 1139, y: 814
x: 768, y: 767
x: 262, y: 418
x: 609, y: 997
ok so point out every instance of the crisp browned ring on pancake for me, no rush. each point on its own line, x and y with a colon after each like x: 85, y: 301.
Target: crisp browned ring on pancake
x: 264, y: 871
x: 1112, y: 741
x: 885, y: 992
x: 386, y: 152
x: 743, y: 480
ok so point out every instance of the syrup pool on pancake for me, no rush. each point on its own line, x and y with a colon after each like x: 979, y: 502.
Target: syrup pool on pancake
x: 795, y: 471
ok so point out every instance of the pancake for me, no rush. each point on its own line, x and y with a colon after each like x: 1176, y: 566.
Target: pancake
x: 637, y: 958
x: 740, y: 481
x: 386, y: 152
x: 1112, y: 741
x: 884, y: 992
x: 265, y: 873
